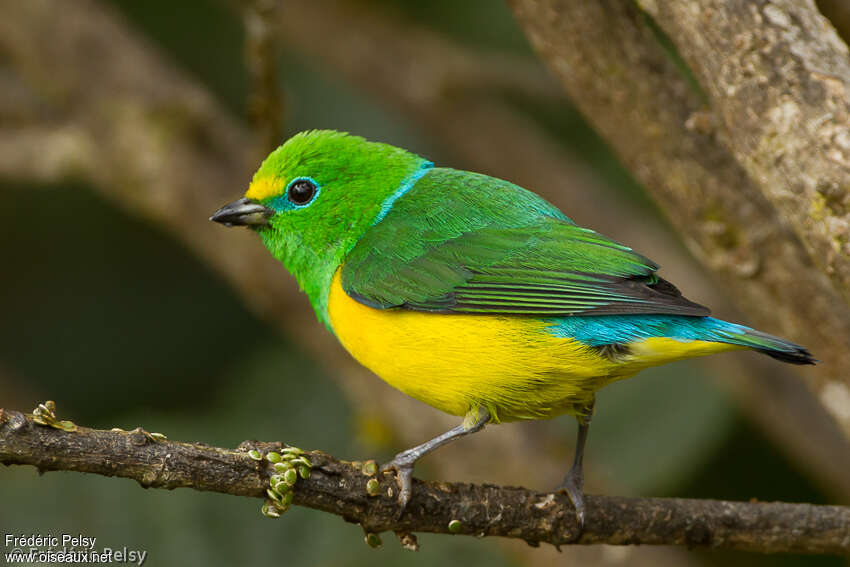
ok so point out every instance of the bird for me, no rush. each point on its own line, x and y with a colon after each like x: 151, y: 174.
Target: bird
x: 468, y: 292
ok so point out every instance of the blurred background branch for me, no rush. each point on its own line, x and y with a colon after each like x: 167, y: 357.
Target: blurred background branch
x: 264, y: 99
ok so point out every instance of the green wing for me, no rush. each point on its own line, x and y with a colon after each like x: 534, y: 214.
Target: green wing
x: 459, y: 242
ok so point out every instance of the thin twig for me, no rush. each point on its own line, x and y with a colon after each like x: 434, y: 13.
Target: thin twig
x: 339, y: 487
x: 264, y: 101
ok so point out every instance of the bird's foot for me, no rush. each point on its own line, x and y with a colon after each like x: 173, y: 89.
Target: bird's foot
x: 402, y: 465
x: 572, y: 486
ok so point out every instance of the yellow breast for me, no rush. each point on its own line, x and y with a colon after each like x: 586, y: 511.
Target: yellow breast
x: 456, y: 362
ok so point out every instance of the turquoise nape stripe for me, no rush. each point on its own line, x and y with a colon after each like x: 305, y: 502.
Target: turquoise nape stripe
x: 406, y: 185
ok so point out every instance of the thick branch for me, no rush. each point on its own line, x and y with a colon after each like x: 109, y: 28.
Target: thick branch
x: 339, y: 487
x: 624, y: 81
x: 778, y: 78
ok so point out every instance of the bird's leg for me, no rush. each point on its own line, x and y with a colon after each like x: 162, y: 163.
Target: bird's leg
x: 574, y: 480
x: 403, y: 463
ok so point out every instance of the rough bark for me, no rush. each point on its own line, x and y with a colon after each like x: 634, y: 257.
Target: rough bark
x: 777, y: 77
x: 622, y: 78
x: 340, y: 488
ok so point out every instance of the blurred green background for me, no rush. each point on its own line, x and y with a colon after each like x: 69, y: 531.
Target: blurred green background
x: 122, y: 326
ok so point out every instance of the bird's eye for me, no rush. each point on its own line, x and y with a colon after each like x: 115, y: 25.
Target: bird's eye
x: 301, y: 191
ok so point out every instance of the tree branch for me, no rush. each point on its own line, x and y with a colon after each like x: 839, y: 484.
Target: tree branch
x: 778, y: 78
x: 340, y: 488
x: 264, y: 100
x: 621, y: 77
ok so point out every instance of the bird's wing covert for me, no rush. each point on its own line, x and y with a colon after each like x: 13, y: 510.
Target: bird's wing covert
x: 467, y: 243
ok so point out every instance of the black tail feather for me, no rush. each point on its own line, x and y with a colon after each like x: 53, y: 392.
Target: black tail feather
x: 798, y: 356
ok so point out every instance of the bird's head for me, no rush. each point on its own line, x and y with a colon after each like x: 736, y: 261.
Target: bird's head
x: 315, y: 196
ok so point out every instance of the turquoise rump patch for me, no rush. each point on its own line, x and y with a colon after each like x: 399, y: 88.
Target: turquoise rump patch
x: 607, y: 329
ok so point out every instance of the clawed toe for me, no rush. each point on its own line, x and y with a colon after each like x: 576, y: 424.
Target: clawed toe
x: 572, y: 486
x: 578, y: 501
x: 574, y: 481
x: 404, y: 477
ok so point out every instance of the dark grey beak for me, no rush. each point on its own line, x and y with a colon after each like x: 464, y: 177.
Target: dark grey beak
x: 243, y: 212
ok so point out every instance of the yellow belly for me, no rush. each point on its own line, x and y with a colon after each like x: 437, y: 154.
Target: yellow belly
x: 510, y: 365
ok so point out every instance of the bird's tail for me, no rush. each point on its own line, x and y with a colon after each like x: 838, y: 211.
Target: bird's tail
x: 772, y: 346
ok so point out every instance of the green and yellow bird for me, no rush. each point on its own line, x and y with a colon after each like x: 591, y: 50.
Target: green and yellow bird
x: 470, y: 293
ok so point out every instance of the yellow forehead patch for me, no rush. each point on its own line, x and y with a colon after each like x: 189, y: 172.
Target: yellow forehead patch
x: 265, y: 187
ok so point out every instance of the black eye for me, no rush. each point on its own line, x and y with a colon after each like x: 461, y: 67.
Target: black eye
x: 302, y: 191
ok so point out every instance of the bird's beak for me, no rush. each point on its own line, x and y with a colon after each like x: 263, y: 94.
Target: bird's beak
x: 243, y: 212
